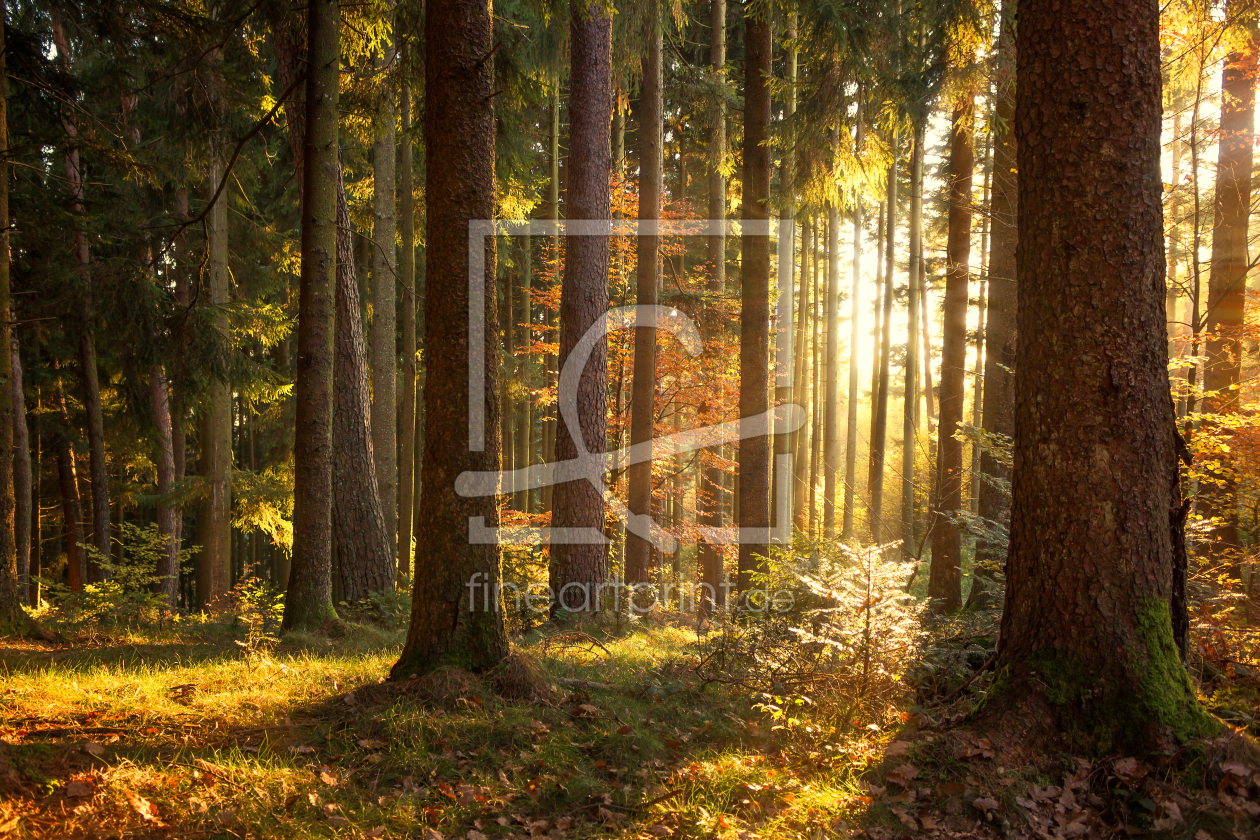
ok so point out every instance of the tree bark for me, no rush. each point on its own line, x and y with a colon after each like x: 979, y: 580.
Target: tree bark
x: 309, y: 600
x: 647, y: 282
x: 584, y: 300
x: 99, y: 468
x: 71, y: 508
x: 999, y: 335
x: 384, y: 407
x: 12, y: 413
x: 783, y: 340
x: 716, y: 241
x: 945, y: 576
x: 800, y: 390
x: 407, y: 272
x: 879, y: 432
x: 1227, y: 278
x: 831, y: 398
x: 24, y: 507
x: 448, y: 624
x: 214, y: 522
x: 851, y: 421
x: 910, y: 405
x: 167, y: 512
x: 1086, y: 641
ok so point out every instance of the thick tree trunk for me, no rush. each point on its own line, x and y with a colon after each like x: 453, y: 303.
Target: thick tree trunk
x: 999, y: 334
x: 754, y: 322
x: 447, y: 624
x: 309, y: 600
x: 384, y: 409
x: 214, y: 522
x: 364, y: 547
x: 583, y: 301
x: 1227, y: 280
x: 647, y: 282
x: 945, y: 576
x: 1086, y: 642
x: 407, y: 273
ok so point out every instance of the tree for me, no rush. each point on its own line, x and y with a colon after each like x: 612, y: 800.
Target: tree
x: 407, y: 274
x: 446, y: 625
x: 384, y: 289
x: 944, y: 573
x: 309, y: 600
x: 584, y: 299
x: 754, y: 322
x: 1086, y: 640
x: 10, y: 601
x: 1227, y: 279
x: 643, y: 399
x: 998, y: 410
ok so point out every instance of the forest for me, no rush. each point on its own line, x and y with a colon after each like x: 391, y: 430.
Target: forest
x: 714, y: 419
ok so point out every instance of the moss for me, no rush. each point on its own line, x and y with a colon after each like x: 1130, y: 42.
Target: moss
x: 1108, y: 713
x: 1167, y: 692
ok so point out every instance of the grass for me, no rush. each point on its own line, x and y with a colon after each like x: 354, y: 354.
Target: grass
x: 179, y: 733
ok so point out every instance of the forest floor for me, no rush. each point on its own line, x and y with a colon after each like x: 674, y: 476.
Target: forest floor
x: 186, y: 733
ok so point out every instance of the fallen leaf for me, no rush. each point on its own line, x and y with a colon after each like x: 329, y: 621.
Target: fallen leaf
x: 143, y: 807
x: 327, y: 778
x: 898, y: 748
x: 660, y: 830
x: 904, y: 775
x: 474, y: 834
x: 564, y: 823
x: 93, y: 748
x: 314, y: 799
x: 198, y: 806
x: 623, y: 730
x: 350, y: 699
x: 431, y: 834
x: 79, y: 790
x: 375, y: 833
x: 951, y: 789
x: 302, y: 750
x: 1129, y: 769
x: 1240, y: 770
x: 985, y: 805
x: 929, y: 823
x: 1203, y: 835
x: 909, y: 821
x: 371, y: 744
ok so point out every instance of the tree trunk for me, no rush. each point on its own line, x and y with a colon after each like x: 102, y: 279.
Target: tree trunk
x: 754, y: 322
x: 522, y: 326
x: 364, y: 547
x: 709, y: 556
x: 647, y: 282
x: 783, y: 338
x: 553, y: 215
x: 309, y: 600
x: 831, y: 398
x: 99, y: 468
x: 800, y: 390
x: 1227, y: 279
x: 214, y: 522
x: 945, y: 577
x: 167, y: 512
x: 910, y: 404
x: 583, y: 302
x: 15, y: 472
x: 407, y: 271
x: 71, y: 507
x: 1086, y: 642
x: 999, y: 336
x: 447, y: 623
x: 851, y: 421
x: 879, y: 434
x: 384, y: 408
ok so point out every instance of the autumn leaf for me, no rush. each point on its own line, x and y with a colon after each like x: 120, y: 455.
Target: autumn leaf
x: 985, y: 805
x: 143, y: 807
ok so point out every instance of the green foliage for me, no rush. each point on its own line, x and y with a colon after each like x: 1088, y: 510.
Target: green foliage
x: 128, y: 596
x: 259, y: 608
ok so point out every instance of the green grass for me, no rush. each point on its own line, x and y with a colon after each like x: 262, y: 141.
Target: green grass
x: 222, y: 744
